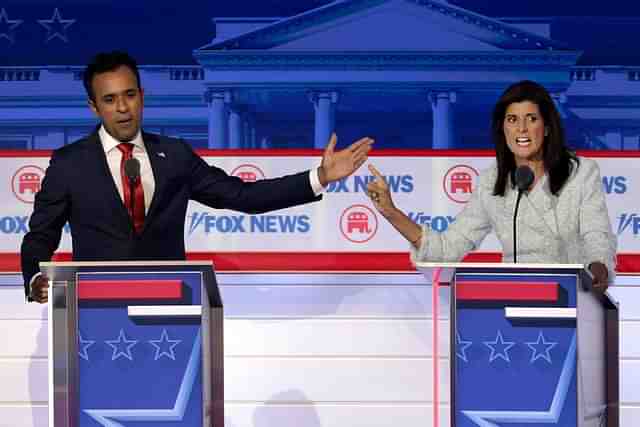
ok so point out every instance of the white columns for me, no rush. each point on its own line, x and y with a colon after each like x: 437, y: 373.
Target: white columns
x: 217, y: 101
x: 236, y: 140
x: 443, y: 130
x: 324, y: 104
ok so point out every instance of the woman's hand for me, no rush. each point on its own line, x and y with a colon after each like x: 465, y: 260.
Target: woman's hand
x: 600, y: 276
x: 379, y: 193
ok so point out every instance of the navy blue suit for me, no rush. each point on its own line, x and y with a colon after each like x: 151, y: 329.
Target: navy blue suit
x: 79, y: 188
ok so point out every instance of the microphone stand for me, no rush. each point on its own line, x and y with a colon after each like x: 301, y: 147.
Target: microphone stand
x: 523, y: 178
x: 515, y: 220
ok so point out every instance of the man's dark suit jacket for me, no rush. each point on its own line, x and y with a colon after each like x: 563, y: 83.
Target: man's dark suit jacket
x: 79, y: 188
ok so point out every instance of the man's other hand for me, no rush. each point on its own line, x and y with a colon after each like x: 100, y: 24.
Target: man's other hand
x: 40, y: 289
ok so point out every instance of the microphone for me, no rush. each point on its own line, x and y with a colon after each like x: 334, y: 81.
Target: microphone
x: 132, y: 171
x: 523, y: 178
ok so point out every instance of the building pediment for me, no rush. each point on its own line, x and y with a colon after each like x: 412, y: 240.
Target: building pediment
x: 387, y: 25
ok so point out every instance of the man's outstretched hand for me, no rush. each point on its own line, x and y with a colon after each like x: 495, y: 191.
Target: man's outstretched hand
x: 340, y: 164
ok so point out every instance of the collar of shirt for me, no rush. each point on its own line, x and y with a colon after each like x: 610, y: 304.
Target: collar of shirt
x: 109, y: 142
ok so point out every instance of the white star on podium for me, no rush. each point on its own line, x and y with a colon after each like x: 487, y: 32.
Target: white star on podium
x: 56, y: 26
x: 461, y: 347
x: 499, y: 348
x: 84, y: 346
x: 164, y: 346
x: 122, y: 346
x: 541, y: 353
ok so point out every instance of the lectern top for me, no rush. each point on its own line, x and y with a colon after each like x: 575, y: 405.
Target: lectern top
x: 127, y: 263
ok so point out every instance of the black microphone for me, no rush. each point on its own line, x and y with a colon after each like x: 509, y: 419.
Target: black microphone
x: 523, y: 178
x: 132, y: 171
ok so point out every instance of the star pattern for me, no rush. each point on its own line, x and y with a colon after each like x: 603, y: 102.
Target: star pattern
x: 499, y: 348
x: 121, y: 346
x: 461, y: 347
x: 540, y: 348
x: 164, y: 346
x: 491, y: 418
x: 108, y: 417
x: 84, y: 346
x: 8, y: 26
x: 56, y: 26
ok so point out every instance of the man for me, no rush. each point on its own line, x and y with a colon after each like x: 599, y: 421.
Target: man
x: 114, y: 214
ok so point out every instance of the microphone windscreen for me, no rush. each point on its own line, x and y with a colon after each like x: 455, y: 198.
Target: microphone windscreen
x: 132, y: 169
x: 523, y: 177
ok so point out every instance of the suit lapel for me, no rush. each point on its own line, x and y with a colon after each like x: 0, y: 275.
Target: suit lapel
x: 543, y: 203
x: 159, y: 165
x: 541, y: 206
x: 104, y: 177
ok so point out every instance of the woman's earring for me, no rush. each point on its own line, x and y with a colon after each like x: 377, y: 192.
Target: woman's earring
x: 546, y: 131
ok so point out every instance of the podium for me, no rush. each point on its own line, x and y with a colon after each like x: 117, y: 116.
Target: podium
x: 520, y: 345
x: 135, y: 343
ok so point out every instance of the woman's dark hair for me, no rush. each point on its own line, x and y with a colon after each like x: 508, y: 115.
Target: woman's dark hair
x: 104, y: 62
x: 558, y: 160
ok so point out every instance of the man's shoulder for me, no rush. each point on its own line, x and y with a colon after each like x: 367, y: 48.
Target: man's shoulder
x: 76, y: 147
x: 164, y: 142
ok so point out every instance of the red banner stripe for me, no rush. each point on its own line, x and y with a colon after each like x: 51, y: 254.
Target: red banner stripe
x: 129, y: 290
x: 317, y: 261
x: 481, y: 290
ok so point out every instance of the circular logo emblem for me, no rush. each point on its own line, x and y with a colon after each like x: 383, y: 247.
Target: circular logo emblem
x: 26, y: 183
x: 358, y: 223
x: 248, y: 173
x: 458, y: 183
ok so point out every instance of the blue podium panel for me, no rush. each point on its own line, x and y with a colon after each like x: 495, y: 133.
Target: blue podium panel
x: 138, y: 370
x: 511, y: 369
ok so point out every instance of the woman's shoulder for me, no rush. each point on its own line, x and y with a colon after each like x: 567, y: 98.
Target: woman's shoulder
x: 488, y: 176
x: 584, y: 166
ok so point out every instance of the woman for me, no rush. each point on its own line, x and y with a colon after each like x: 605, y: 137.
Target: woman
x: 561, y: 219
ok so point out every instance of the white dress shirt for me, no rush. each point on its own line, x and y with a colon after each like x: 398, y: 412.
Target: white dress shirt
x: 114, y: 158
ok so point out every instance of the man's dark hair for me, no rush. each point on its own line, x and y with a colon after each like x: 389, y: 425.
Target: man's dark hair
x: 558, y: 160
x: 104, y: 62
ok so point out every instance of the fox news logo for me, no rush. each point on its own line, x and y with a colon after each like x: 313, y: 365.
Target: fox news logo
x: 26, y: 183
x: 225, y: 224
x: 614, y: 184
x: 629, y: 222
x: 458, y: 183
x: 358, y: 223
x: 437, y: 223
x: 358, y: 184
x: 248, y: 173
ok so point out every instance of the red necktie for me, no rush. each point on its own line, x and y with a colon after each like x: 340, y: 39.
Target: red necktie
x: 138, y: 216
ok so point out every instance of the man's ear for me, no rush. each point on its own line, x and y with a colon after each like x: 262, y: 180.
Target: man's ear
x: 93, y: 106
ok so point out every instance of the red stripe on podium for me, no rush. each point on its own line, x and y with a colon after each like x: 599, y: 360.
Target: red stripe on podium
x: 507, y: 291
x: 130, y: 289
